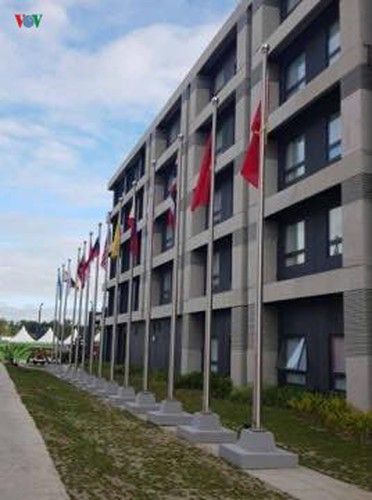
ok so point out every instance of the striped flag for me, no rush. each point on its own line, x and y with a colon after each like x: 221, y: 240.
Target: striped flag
x: 106, y: 250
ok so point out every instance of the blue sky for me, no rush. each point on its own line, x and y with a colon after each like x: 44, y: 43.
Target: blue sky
x: 76, y: 94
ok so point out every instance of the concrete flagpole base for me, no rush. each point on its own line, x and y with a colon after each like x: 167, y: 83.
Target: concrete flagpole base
x: 206, y: 428
x: 144, y: 402
x: 107, y: 390
x: 96, y: 384
x: 124, y: 395
x: 257, y: 450
x: 170, y: 413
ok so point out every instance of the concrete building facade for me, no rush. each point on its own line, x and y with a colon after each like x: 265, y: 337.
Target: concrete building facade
x: 317, y: 228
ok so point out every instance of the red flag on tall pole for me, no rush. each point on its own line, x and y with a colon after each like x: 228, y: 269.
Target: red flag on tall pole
x: 251, y: 165
x: 202, y: 189
x: 133, y: 245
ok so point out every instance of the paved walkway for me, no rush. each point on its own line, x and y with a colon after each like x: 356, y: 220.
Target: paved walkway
x: 26, y: 469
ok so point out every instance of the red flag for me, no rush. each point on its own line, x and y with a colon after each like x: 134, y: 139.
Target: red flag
x: 93, y: 252
x: 133, y: 246
x: 251, y: 164
x: 81, y: 271
x: 202, y: 189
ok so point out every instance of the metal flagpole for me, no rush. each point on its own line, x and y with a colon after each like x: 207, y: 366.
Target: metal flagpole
x: 177, y: 229
x: 86, y: 322
x: 93, y: 328
x: 104, y: 298
x: 60, y: 317
x: 150, y: 225
x: 116, y: 299
x: 130, y: 297
x: 257, y: 383
x: 77, y: 339
x: 67, y: 289
x: 55, y: 315
x: 209, y: 288
x: 74, y: 310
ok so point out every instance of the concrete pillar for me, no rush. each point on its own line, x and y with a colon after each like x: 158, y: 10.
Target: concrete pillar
x: 192, y: 343
x: 239, y: 338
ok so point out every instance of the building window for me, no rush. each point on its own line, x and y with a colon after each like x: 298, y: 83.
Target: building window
x: 173, y: 130
x: 135, y: 292
x: 169, y: 178
x: 226, y: 70
x: 294, y: 360
x: 214, y: 354
x: 168, y: 236
x: 295, y: 159
x: 295, y: 77
x: 225, y: 135
x: 216, y: 270
x: 335, y: 232
x: 166, y: 287
x: 338, y: 363
x: 217, y: 206
x: 334, y: 137
x: 334, y: 43
x: 288, y: 6
x: 295, y: 244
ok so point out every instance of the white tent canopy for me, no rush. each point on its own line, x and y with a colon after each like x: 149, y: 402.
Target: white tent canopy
x: 47, y: 338
x: 22, y: 337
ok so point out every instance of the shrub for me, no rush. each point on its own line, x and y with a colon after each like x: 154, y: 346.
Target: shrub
x: 221, y: 387
x: 336, y: 413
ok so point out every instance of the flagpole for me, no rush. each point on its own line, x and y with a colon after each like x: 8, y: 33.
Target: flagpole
x: 130, y: 296
x: 257, y: 383
x: 81, y: 295
x: 55, y: 315
x: 173, y: 330
x: 60, y: 317
x: 209, y: 287
x: 65, y: 307
x: 93, y: 328
x: 116, y: 298
x: 86, y: 322
x: 150, y: 226
x: 104, y: 298
x: 74, y: 309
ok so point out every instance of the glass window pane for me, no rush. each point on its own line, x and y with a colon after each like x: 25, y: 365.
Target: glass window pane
x: 295, y: 378
x: 334, y: 42
x: 334, y: 137
x: 295, y: 158
x: 295, y: 348
x: 335, y: 231
x: 214, y: 355
x: 295, y: 237
x: 296, y: 74
x: 216, y: 269
x: 338, y: 355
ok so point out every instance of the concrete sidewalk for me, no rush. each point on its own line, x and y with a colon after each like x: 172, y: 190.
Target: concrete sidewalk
x: 26, y: 469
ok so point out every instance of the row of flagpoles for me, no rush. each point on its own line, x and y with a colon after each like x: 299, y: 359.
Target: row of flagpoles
x: 87, y: 257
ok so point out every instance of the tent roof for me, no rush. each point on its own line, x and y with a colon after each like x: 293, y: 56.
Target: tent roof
x: 47, y: 338
x: 22, y: 337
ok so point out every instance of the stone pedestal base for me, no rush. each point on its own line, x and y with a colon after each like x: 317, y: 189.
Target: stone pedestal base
x: 206, y: 428
x: 108, y: 389
x: 257, y: 450
x: 123, y: 395
x: 144, y: 402
x: 170, y: 413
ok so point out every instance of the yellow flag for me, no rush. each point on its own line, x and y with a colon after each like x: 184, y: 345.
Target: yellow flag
x: 115, y: 245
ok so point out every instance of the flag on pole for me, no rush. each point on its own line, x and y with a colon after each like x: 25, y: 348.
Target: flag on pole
x: 251, y: 164
x: 59, y: 285
x: 70, y: 283
x: 106, y: 250
x: 172, y: 196
x: 133, y: 246
x: 115, y: 245
x: 93, y: 251
x: 202, y: 189
x: 81, y: 272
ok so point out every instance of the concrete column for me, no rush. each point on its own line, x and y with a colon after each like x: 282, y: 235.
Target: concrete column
x: 239, y: 338
x: 200, y: 95
x: 192, y: 343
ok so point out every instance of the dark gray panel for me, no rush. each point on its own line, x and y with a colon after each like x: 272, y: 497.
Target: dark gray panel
x: 359, y: 78
x: 357, y: 188
x: 358, y: 322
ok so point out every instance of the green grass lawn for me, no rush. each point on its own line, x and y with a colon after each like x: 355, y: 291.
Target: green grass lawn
x: 103, y: 453
x: 340, y: 457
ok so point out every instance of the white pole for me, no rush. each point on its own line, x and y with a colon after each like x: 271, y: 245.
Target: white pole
x: 209, y: 287
x: 86, y: 322
x: 59, y: 340
x: 55, y: 321
x: 177, y: 229
x: 257, y: 384
x: 104, y: 299
x: 130, y: 298
x: 77, y: 340
x: 150, y: 225
x: 93, y: 327
x: 74, y: 309
x: 65, y: 308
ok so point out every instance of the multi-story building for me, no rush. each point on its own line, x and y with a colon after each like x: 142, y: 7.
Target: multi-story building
x: 317, y: 227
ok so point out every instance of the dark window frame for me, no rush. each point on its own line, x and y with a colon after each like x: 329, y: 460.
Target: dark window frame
x: 283, y: 361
